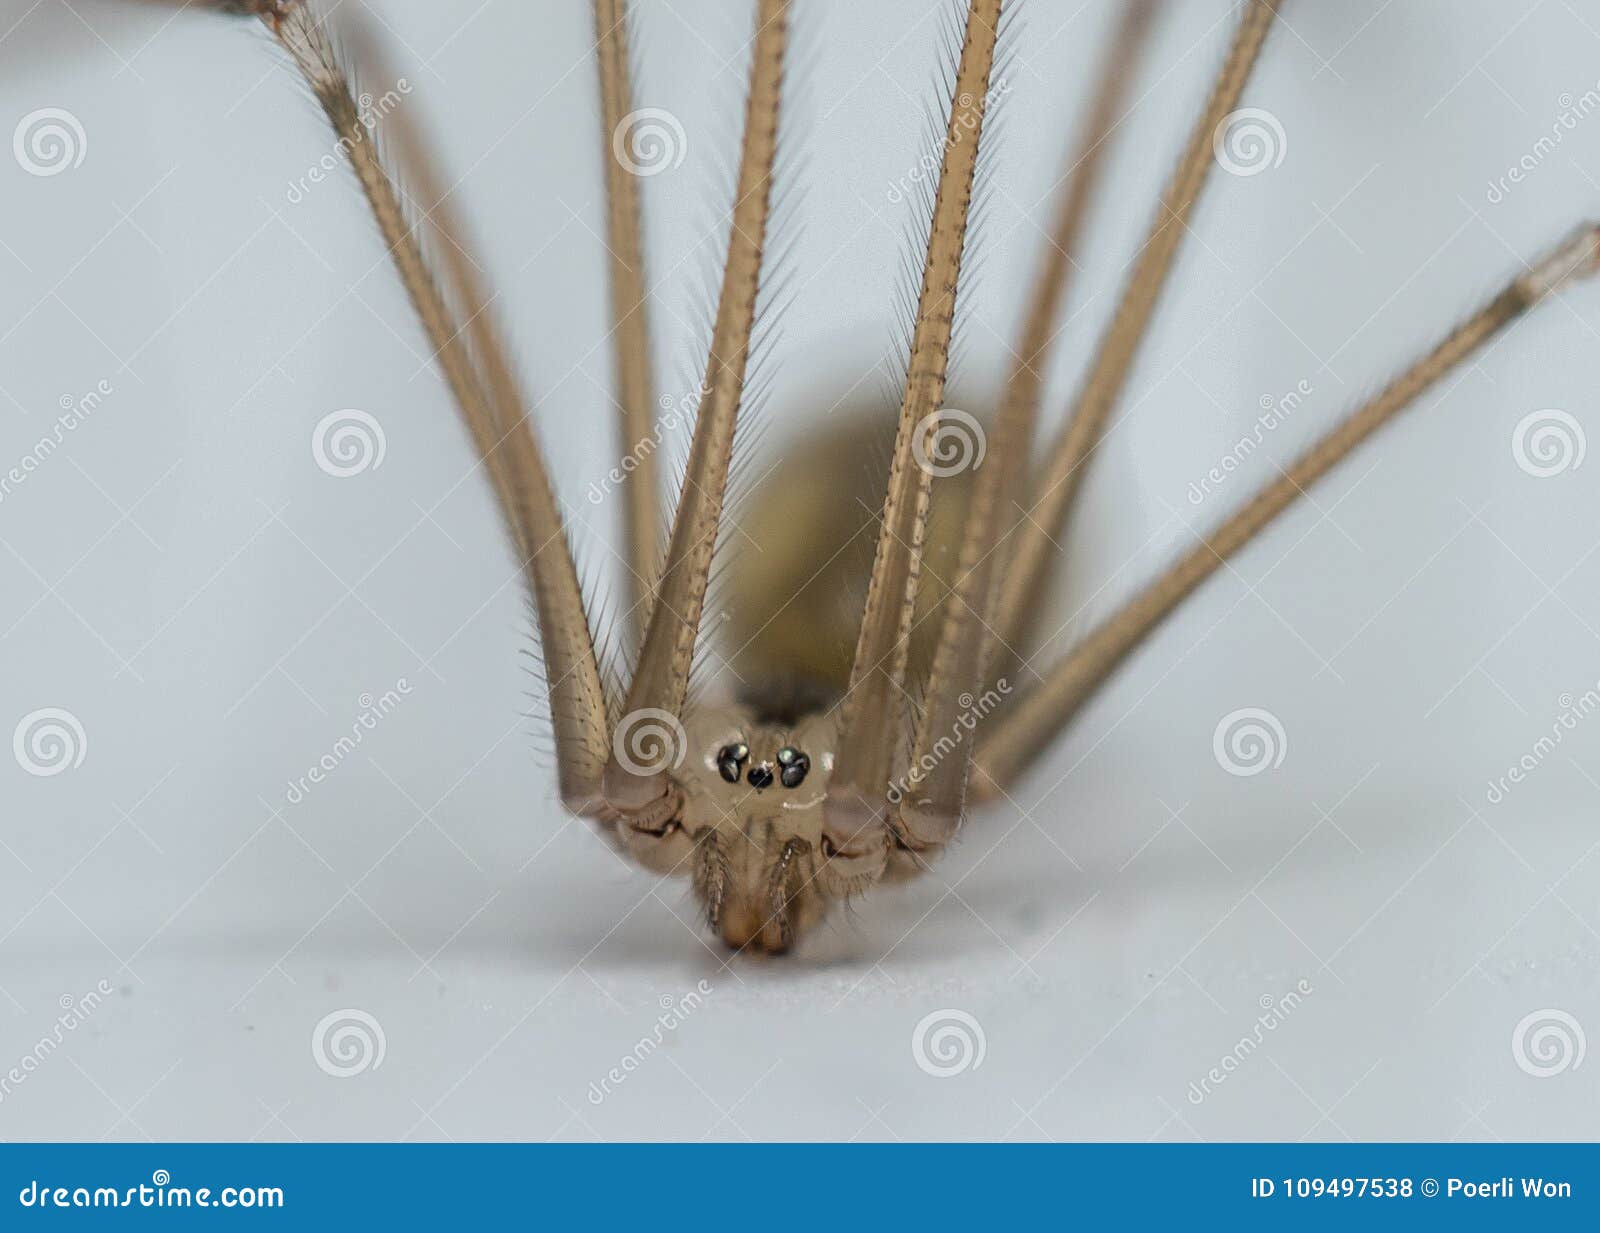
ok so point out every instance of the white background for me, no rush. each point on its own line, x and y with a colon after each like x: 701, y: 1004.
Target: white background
x: 211, y: 606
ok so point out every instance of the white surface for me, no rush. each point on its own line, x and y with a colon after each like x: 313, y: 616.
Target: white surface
x: 210, y: 605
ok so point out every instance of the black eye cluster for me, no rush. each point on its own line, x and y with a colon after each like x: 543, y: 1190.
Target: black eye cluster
x: 790, y: 771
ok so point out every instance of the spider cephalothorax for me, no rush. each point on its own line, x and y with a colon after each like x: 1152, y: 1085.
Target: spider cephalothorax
x: 795, y: 798
x: 752, y: 844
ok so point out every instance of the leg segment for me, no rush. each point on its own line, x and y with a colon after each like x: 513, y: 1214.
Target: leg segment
x: 1042, y: 525
x: 630, y: 328
x: 1024, y: 729
x: 933, y: 794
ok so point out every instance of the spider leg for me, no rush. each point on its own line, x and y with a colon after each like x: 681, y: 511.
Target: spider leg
x: 630, y: 326
x: 1025, y: 727
x: 871, y: 729
x: 661, y: 680
x: 427, y: 200
x: 492, y: 411
x: 934, y: 792
x: 1040, y: 527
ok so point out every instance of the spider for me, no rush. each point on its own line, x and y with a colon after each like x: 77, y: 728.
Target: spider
x: 815, y: 787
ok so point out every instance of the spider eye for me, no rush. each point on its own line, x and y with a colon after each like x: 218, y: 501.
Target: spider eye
x: 793, y: 766
x: 760, y: 776
x: 731, y: 760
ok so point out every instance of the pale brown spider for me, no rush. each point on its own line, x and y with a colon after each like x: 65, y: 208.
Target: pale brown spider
x: 784, y: 803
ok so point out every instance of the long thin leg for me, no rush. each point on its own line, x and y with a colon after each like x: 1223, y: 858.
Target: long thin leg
x: 871, y: 729
x: 1041, y: 527
x: 661, y: 680
x: 434, y: 211
x: 934, y: 792
x: 1023, y: 730
x: 630, y: 327
x: 511, y: 456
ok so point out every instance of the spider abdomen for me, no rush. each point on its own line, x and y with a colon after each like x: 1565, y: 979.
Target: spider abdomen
x: 805, y: 554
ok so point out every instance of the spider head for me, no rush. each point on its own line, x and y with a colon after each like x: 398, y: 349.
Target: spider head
x: 744, y: 823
